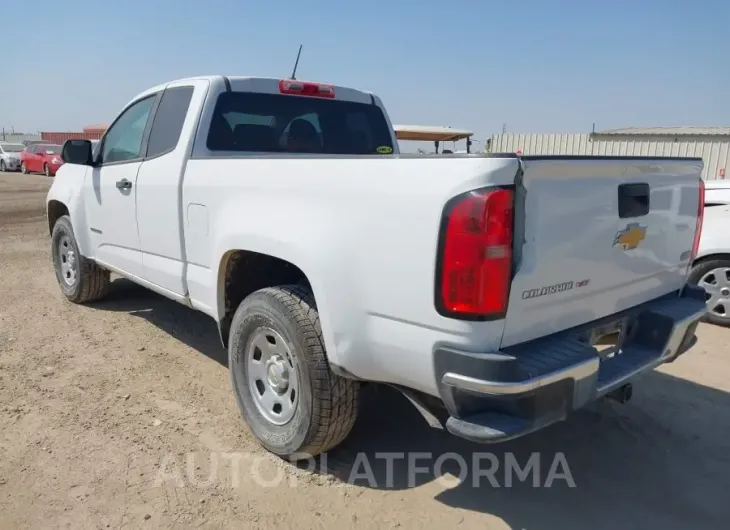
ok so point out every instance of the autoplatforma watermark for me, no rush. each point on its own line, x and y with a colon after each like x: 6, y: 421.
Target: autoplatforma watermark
x: 386, y: 470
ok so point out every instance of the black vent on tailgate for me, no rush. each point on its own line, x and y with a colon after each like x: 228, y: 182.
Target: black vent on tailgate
x: 633, y: 200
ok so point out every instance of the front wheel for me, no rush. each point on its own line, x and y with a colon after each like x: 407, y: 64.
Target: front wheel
x: 23, y: 168
x: 3, y: 168
x: 292, y: 401
x: 713, y: 275
x: 46, y: 170
x: 81, y: 280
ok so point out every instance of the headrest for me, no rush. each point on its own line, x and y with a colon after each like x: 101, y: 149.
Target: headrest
x: 301, y: 128
x: 253, y: 137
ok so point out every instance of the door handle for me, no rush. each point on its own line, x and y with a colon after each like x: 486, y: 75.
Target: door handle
x: 124, y: 184
x: 633, y: 200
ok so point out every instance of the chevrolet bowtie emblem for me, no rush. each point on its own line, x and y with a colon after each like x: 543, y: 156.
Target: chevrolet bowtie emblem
x: 630, y: 237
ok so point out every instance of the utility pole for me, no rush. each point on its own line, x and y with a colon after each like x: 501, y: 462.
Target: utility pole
x: 504, y: 128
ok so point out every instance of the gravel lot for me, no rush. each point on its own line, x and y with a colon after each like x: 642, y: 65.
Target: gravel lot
x: 113, y: 416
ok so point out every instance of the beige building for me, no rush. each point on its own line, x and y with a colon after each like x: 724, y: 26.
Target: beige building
x: 712, y: 144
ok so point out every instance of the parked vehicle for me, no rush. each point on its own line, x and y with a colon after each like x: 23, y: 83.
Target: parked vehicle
x: 10, y: 156
x: 717, y: 192
x: 478, y: 285
x: 27, y: 143
x: 711, y: 268
x: 41, y: 158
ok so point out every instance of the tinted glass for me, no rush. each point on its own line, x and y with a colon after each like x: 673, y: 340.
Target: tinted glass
x: 50, y: 149
x: 251, y: 122
x: 12, y: 148
x: 169, y: 119
x: 123, y: 141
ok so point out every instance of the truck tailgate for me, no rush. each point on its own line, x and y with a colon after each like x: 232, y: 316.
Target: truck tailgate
x: 595, y: 236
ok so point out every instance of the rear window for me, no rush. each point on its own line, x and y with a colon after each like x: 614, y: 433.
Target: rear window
x: 12, y: 148
x: 50, y: 149
x: 275, y: 123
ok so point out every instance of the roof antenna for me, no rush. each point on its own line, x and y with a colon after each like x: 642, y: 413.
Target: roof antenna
x: 296, y: 63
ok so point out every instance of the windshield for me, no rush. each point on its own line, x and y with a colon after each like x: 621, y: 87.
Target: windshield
x: 50, y: 149
x: 12, y: 148
x: 255, y: 122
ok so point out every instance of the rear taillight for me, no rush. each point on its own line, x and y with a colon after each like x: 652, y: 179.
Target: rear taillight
x: 474, y: 265
x: 700, y: 217
x: 302, y: 88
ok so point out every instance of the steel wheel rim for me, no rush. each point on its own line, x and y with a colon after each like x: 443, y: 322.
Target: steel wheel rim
x: 67, y: 260
x: 273, y: 379
x: 716, y: 284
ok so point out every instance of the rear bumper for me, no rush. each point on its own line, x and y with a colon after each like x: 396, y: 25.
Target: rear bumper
x: 493, y: 397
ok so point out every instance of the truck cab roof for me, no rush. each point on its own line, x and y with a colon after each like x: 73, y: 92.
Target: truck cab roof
x: 267, y: 85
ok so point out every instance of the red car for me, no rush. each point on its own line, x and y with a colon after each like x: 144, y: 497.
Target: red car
x: 41, y: 158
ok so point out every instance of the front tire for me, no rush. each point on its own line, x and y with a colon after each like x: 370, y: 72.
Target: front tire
x: 292, y: 401
x: 713, y: 275
x: 3, y: 168
x: 47, y: 170
x: 81, y: 280
x: 23, y: 168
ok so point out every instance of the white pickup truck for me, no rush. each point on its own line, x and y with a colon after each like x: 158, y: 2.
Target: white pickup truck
x: 711, y: 266
x: 481, y: 286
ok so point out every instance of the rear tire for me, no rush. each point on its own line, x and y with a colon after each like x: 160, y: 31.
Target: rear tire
x: 284, y: 322
x: 3, y: 168
x: 81, y: 280
x: 23, y: 168
x: 713, y: 275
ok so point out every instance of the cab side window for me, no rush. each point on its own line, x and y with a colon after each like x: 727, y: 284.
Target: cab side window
x: 123, y: 141
x: 169, y: 120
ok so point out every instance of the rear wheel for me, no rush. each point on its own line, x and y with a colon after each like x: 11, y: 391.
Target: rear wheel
x: 292, y: 401
x: 81, y: 280
x: 713, y: 275
x: 2, y: 165
x: 23, y: 168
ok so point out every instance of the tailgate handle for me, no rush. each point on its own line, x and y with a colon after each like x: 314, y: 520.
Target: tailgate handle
x: 633, y: 200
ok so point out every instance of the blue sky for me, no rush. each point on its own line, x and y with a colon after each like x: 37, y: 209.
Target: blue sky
x: 538, y: 66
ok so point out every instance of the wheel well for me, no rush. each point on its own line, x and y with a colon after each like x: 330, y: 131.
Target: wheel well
x: 245, y: 272
x: 56, y: 209
x: 707, y: 257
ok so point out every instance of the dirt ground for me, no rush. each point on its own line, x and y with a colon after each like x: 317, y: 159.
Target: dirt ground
x: 120, y: 415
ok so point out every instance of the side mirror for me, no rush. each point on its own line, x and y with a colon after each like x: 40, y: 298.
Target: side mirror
x: 77, y: 152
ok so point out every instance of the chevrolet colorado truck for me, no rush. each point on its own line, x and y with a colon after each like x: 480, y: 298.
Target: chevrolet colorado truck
x: 498, y: 292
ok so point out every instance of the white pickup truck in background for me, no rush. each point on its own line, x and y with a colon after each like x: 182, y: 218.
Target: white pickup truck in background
x: 711, y: 267
x: 481, y: 286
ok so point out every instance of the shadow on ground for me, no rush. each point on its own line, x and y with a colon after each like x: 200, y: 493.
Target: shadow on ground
x: 660, y: 461
x: 187, y: 325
